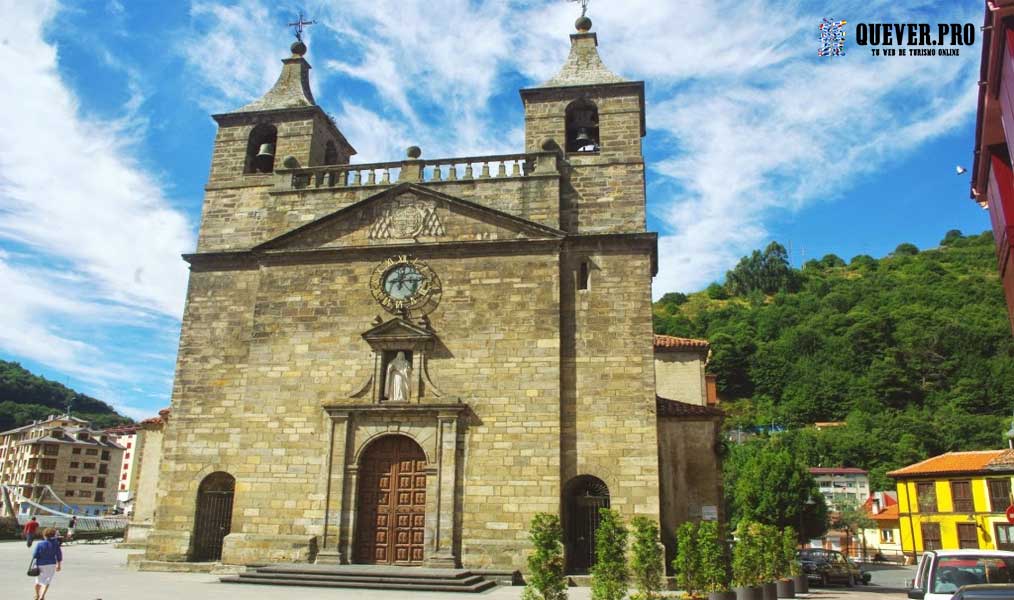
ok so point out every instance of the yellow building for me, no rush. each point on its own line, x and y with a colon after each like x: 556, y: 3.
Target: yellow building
x: 956, y: 500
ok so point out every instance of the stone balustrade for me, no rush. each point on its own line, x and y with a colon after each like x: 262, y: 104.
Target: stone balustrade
x: 418, y: 171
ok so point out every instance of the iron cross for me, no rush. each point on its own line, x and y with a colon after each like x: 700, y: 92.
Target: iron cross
x: 584, y: 5
x: 298, y: 25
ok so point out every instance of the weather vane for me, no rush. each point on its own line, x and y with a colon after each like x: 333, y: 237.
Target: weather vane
x: 298, y: 24
x: 584, y: 5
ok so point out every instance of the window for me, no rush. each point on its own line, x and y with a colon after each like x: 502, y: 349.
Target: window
x: 582, y: 126
x: 260, y: 149
x: 105, y: 455
x: 582, y: 276
x: 84, y: 493
x: 51, y: 450
x: 930, y: 536
x: 129, y: 444
x: 76, y: 451
x: 87, y: 479
x: 100, y: 496
x: 926, y: 497
x: 123, y: 486
x: 1004, y: 536
x: 100, y: 482
x: 92, y: 452
x: 330, y: 153
x: 69, y: 493
x: 126, y: 456
x: 999, y: 494
x: 72, y: 479
x: 125, y: 466
x: 961, y: 495
x: 45, y: 478
x: 887, y: 536
x: 89, y: 465
x: 124, y: 477
x: 968, y: 537
x: 75, y: 465
x: 48, y: 464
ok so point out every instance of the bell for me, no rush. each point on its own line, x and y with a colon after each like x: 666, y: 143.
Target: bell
x: 266, y: 151
x: 583, y: 139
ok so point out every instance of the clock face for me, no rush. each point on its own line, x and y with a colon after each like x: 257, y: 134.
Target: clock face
x: 403, y: 281
x: 404, y: 285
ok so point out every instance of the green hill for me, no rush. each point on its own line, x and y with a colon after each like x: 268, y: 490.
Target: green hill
x: 914, y: 351
x: 25, y: 397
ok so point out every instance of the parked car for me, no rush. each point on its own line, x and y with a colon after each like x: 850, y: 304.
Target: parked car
x: 942, y: 573
x: 830, y: 566
x: 987, y: 591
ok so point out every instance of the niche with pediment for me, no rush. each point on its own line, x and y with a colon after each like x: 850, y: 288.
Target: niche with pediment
x: 401, y: 349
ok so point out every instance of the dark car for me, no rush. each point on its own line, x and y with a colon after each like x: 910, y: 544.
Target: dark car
x: 988, y: 591
x: 830, y: 566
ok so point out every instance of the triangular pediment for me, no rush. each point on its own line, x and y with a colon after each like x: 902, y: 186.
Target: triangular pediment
x: 398, y: 333
x: 409, y: 214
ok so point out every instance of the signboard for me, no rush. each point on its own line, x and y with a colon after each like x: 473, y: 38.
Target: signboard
x: 1010, y: 514
x: 710, y: 513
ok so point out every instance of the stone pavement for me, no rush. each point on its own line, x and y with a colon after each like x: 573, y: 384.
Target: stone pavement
x: 99, y: 571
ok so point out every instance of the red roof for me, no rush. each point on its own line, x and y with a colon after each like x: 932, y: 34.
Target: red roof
x: 836, y: 471
x: 957, y: 462
x: 673, y: 343
x: 675, y: 408
x: 890, y: 513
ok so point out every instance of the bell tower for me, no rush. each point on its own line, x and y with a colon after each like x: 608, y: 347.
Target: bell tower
x: 283, y: 129
x: 597, y: 119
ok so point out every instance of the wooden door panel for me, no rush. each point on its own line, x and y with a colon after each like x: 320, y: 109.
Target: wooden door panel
x: 393, y: 502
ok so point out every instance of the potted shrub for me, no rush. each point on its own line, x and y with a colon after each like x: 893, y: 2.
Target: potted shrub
x: 610, y: 575
x: 770, y: 552
x: 746, y: 562
x: 546, y: 580
x: 647, y: 563
x: 786, y: 585
x: 686, y: 564
x: 711, y: 562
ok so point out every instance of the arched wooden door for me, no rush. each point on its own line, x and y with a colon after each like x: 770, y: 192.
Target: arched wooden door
x: 391, y: 522
x: 213, y: 520
x: 584, y: 496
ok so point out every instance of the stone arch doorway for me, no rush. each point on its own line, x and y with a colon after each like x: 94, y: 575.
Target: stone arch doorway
x: 391, y: 502
x: 583, y: 497
x: 213, y: 519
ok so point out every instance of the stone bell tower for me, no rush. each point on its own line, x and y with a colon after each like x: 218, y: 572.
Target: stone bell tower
x: 597, y: 119
x: 284, y: 125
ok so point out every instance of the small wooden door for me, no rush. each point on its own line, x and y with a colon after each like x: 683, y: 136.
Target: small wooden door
x: 391, y: 521
x: 213, y: 520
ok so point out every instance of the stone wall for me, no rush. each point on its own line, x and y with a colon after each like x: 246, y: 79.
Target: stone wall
x: 147, y: 465
x: 680, y: 376
x: 691, y: 472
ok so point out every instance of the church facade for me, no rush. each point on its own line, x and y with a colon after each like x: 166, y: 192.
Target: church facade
x: 402, y: 363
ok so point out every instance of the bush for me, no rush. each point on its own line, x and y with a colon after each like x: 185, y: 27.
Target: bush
x: 770, y: 542
x: 717, y: 291
x: 546, y: 579
x: 906, y: 249
x: 788, y: 559
x: 685, y: 564
x: 747, y: 555
x: 646, y: 561
x: 711, y: 560
x: 610, y: 575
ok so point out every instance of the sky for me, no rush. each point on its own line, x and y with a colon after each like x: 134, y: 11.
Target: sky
x: 105, y: 139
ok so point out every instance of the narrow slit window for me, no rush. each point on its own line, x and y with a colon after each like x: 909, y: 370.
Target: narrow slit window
x: 582, y: 276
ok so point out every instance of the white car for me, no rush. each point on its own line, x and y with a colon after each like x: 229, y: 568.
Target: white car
x: 942, y: 572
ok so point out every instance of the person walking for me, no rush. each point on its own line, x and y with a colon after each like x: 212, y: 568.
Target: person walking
x: 49, y: 558
x: 70, y: 528
x: 29, y: 531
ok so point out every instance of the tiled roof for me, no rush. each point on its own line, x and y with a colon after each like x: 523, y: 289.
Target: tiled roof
x: 1003, y: 461
x: 889, y: 513
x: 836, y: 471
x: 675, y: 408
x: 673, y: 343
x: 956, y: 462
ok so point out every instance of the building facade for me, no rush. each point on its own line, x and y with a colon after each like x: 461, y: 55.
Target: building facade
x: 956, y: 500
x: 842, y: 486
x: 61, y: 464
x: 402, y: 363
x: 144, y: 480
x: 992, y: 176
x: 883, y: 542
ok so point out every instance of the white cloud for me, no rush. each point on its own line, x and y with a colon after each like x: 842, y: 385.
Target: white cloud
x: 104, y: 240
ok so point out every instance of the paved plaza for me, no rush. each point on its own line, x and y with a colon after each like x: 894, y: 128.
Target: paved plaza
x: 99, y: 571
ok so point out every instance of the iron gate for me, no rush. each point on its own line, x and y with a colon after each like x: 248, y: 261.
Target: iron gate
x: 585, y: 496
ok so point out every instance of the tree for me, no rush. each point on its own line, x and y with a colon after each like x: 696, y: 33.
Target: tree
x: 610, y: 574
x: 951, y: 236
x: 546, y: 580
x: 686, y: 562
x: 854, y: 519
x: 711, y: 557
x: 906, y: 249
x: 717, y: 291
x: 773, y: 488
x: 646, y: 561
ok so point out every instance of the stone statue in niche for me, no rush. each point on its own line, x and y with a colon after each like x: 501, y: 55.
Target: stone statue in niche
x: 399, y: 374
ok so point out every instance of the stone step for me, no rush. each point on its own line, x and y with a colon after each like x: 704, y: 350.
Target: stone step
x: 463, y: 581
x: 393, y: 572
x: 428, y: 586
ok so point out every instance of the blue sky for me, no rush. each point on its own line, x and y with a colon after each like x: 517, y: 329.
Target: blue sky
x: 105, y: 139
